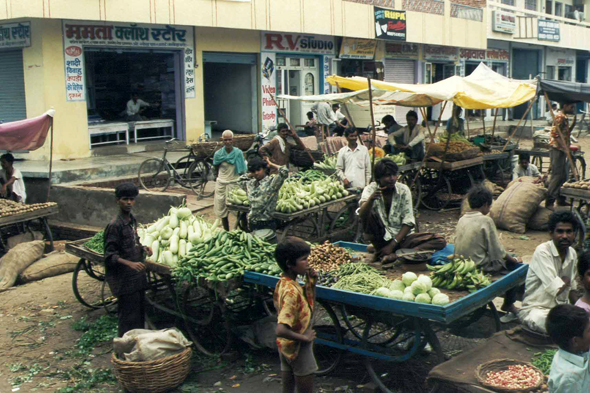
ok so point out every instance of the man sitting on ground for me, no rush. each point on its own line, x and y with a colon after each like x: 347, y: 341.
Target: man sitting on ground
x: 387, y: 215
x: 552, y: 272
x: 525, y: 168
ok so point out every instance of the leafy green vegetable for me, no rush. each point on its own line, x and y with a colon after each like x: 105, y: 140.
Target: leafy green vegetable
x: 543, y: 360
x: 96, y: 243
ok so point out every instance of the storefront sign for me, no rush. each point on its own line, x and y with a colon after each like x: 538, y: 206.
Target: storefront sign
x: 15, y: 35
x: 390, y: 24
x: 78, y: 35
x: 548, y: 30
x: 560, y: 57
x: 298, y: 43
x: 498, y: 55
x: 268, y: 78
x: 398, y: 50
x: 357, y: 48
x: 494, y: 55
x: 503, y: 22
x: 441, y: 53
x: 472, y: 54
x: 382, y: 3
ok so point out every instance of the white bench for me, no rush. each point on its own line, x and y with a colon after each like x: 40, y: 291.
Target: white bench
x: 151, y: 124
x: 108, y: 129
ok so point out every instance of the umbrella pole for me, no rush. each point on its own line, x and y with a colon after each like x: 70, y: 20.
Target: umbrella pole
x: 348, y: 115
x: 423, y: 112
x: 565, y: 146
x: 50, y: 158
x: 517, y: 125
x: 494, y: 125
x: 467, y: 122
x: 374, y: 133
x: 295, y: 136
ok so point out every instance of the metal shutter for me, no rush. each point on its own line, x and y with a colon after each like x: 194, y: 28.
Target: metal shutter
x: 401, y: 71
x: 12, y: 86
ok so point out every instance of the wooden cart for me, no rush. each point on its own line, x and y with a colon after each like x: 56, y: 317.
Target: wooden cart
x: 24, y: 222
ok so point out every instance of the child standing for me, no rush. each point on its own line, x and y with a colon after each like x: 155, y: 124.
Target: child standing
x: 294, y: 306
x: 124, y: 255
x: 584, y: 274
x: 569, y: 328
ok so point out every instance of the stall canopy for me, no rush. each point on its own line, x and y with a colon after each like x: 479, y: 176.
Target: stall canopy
x: 483, y: 89
x: 380, y: 97
x: 561, y: 91
x: 29, y: 134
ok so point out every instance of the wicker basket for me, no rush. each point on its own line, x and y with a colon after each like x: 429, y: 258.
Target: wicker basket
x: 301, y: 158
x: 154, y: 376
x: 243, y: 142
x: 206, y: 149
x: 500, y: 364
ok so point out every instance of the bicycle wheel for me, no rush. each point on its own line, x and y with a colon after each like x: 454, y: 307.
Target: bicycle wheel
x: 154, y: 175
x: 89, y: 288
x: 198, y: 174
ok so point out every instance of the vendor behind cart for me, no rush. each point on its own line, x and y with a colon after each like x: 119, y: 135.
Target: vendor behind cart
x: 263, y: 193
x: 456, y: 123
x: 387, y: 215
x: 13, y: 185
x: 278, y: 150
x: 409, y: 139
x: 353, y: 165
x: 229, y: 164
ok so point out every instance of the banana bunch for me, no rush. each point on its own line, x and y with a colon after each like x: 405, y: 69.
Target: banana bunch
x: 460, y: 273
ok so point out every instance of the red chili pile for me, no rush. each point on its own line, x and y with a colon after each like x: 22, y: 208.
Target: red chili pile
x: 515, y: 377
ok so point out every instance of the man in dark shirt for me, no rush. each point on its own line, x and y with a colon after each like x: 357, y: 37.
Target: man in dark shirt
x: 124, y: 255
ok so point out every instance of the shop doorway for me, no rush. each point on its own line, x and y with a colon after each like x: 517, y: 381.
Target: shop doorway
x: 231, y: 100
x: 297, y: 76
x: 113, y: 76
x: 525, y: 65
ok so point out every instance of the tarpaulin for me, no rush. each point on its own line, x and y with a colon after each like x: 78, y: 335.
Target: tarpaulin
x: 361, y: 98
x: 26, y: 134
x: 561, y: 91
x: 483, y: 89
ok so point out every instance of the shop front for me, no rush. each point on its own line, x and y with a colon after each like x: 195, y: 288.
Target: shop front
x: 357, y: 58
x: 440, y: 62
x: 293, y: 64
x: 560, y: 64
x: 401, y: 66
x: 526, y: 63
x: 107, y: 65
x: 13, y: 38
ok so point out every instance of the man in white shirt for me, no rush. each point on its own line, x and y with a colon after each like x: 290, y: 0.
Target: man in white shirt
x: 409, y: 139
x: 552, y: 272
x: 353, y: 165
x: 325, y: 115
x: 134, y: 108
x: 13, y: 185
x: 549, y: 116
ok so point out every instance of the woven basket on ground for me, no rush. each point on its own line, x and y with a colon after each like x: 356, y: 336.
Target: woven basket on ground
x: 301, y: 158
x: 154, y: 376
x: 501, y: 364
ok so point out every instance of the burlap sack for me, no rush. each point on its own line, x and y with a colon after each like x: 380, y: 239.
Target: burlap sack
x: 140, y: 345
x: 23, y: 238
x: 53, y: 264
x: 540, y: 219
x: 17, y: 260
x: 524, y: 179
x: 515, y: 207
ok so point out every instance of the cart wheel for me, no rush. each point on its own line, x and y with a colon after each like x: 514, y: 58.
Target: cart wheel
x: 415, y: 187
x: 154, y: 175
x: 581, y: 167
x: 197, y: 305
x: 87, y: 285
x: 436, y: 192
x: 381, y: 334
x: 327, y: 328
x: 408, y: 343
x: 198, y: 176
x: 213, y: 338
x: 346, y: 221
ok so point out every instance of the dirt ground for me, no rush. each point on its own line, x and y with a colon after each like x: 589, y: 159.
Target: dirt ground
x: 40, y: 351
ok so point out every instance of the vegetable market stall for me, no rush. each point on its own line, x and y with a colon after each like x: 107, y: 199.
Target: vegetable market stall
x: 22, y: 216
x: 382, y: 326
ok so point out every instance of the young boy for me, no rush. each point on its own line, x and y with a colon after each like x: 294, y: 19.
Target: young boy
x: 569, y: 327
x: 294, y: 306
x: 476, y: 237
x: 525, y: 168
x: 584, y: 274
x: 124, y: 255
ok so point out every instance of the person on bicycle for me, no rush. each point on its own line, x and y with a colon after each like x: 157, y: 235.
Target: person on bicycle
x: 229, y: 164
x: 279, y: 149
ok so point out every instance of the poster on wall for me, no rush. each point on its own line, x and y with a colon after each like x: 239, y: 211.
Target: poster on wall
x: 15, y: 35
x: 78, y: 35
x: 357, y: 48
x: 268, y: 78
x: 390, y: 24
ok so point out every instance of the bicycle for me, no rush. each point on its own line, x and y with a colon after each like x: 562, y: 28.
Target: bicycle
x: 156, y: 174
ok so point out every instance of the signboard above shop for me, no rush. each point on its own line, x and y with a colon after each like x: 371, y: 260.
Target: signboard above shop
x: 15, y: 35
x: 390, y: 24
x: 402, y: 50
x: 494, y: 55
x: 298, y: 43
x: 357, y: 48
x: 503, y: 22
x: 441, y: 53
x: 549, y: 30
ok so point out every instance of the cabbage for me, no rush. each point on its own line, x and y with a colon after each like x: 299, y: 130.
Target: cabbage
x: 423, y: 298
x: 397, y: 285
x: 408, y: 290
x: 408, y: 297
x: 384, y: 292
x: 408, y: 278
x: 426, y: 280
x: 440, y: 299
x: 419, y: 287
x: 433, y: 292
x: 395, y: 294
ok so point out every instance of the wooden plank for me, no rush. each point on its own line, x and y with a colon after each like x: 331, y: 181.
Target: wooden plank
x: 453, y: 166
x: 495, y: 156
x: 23, y: 217
x: 158, y: 268
x: 77, y: 248
x: 575, y: 193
